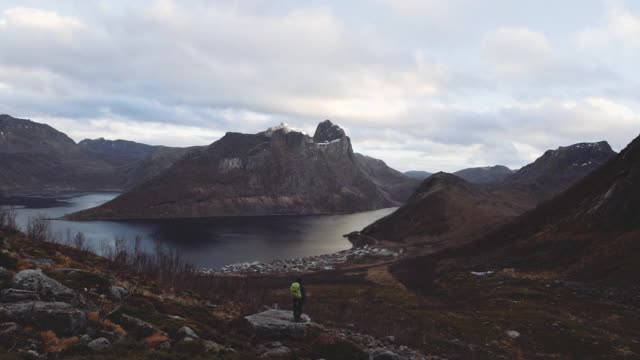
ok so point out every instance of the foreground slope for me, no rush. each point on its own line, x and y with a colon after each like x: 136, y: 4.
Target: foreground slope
x: 278, y: 171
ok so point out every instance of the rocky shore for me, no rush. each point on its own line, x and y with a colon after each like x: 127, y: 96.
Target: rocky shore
x: 305, y: 264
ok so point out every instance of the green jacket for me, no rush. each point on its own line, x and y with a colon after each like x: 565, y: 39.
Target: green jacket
x: 296, y: 290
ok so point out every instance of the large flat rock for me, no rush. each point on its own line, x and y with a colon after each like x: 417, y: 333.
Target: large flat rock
x: 277, y: 324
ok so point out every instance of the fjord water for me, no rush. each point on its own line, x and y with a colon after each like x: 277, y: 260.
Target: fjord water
x: 211, y: 242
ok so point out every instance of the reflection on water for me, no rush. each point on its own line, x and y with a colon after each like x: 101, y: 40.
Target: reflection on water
x: 213, y: 242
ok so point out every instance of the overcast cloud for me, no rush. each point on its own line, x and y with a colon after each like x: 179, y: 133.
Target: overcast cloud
x: 418, y: 83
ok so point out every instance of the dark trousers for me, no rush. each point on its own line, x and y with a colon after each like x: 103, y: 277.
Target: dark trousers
x: 297, y: 308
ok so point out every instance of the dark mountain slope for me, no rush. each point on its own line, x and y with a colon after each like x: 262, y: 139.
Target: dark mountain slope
x: 558, y: 169
x: 278, y: 171
x: 444, y: 208
x: 396, y: 184
x: 590, y: 232
x: 35, y: 157
x: 485, y: 175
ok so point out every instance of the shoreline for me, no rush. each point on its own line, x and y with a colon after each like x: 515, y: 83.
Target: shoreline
x: 316, y: 263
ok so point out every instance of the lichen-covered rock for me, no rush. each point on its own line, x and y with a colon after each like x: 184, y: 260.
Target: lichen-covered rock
x: 277, y: 324
x: 48, y: 288
x: 62, y: 318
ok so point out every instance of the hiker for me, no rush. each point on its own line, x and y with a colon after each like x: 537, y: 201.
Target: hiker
x: 298, y: 295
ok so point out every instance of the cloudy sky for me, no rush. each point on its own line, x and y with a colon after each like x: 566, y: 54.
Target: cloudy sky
x: 421, y: 84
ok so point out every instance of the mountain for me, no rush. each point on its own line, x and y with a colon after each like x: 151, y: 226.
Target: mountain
x: 135, y: 162
x: 445, y: 208
x: 398, y: 185
x: 485, y: 175
x: 558, y: 169
x: 589, y: 232
x: 277, y: 171
x: 35, y: 157
x: 418, y: 174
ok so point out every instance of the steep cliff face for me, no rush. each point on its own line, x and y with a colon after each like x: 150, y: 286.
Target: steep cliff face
x: 277, y: 171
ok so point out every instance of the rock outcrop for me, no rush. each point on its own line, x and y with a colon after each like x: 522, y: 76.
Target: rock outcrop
x: 60, y: 317
x: 276, y: 324
x: 47, y: 288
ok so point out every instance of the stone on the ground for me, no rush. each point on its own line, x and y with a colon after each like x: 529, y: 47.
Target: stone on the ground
x: 513, y: 334
x: 48, y: 288
x: 384, y: 354
x: 277, y: 324
x: 62, y: 318
x: 186, y: 331
x: 16, y: 295
x: 118, y: 292
x: 99, y: 344
x: 165, y: 345
x: 277, y: 353
x: 213, y: 347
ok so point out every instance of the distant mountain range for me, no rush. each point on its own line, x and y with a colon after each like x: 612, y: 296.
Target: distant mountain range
x: 277, y: 171
x: 447, y: 210
x: 37, y: 158
x: 418, y: 174
x: 485, y: 175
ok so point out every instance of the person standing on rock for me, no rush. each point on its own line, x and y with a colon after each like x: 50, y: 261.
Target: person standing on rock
x: 298, y: 295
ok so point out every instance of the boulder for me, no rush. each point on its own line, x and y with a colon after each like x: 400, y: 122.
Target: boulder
x: 186, y: 331
x: 276, y: 325
x: 16, y: 295
x: 48, y: 288
x: 99, y: 344
x: 118, y: 292
x: 62, y: 318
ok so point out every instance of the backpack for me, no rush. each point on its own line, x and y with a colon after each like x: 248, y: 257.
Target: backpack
x: 295, y: 290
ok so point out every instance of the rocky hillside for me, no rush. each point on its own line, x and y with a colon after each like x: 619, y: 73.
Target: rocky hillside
x: 588, y: 232
x: 58, y: 302
x: 484, y: 175
x: 278, y: 171
x: 558, y: 169
x: 37, y: 158
x: 444, y: 210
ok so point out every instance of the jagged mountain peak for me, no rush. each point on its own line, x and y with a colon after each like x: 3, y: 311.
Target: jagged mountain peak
x: 328, y: 132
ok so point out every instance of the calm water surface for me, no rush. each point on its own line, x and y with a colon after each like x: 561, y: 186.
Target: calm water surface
x: 212, y: 242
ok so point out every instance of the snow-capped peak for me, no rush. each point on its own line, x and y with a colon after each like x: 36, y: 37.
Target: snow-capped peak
x: 284, y: 127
